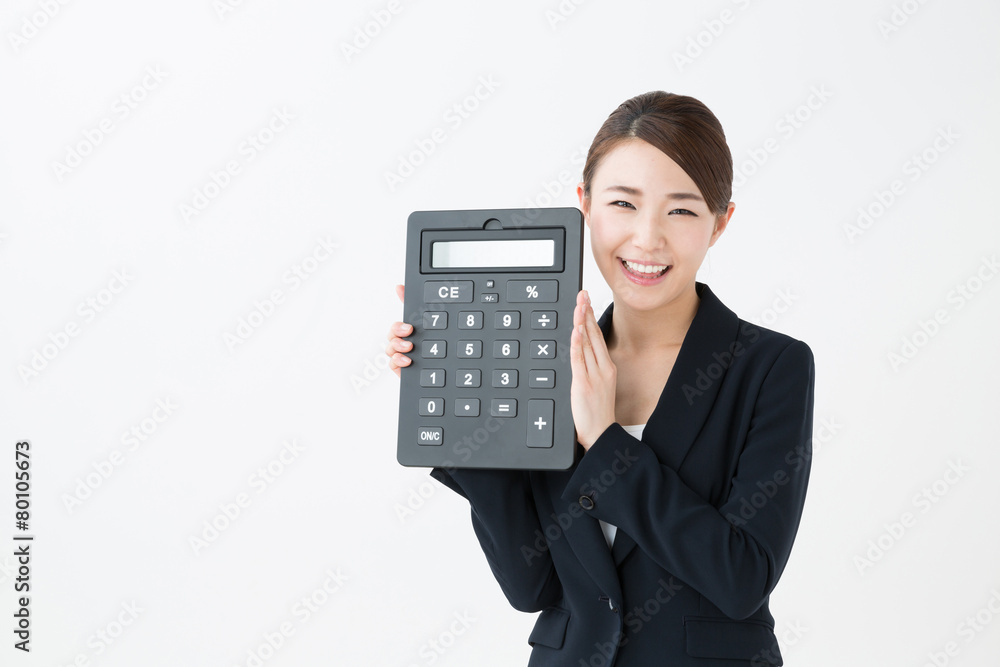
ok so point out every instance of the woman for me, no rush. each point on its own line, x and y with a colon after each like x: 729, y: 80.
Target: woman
x: 661, y: 545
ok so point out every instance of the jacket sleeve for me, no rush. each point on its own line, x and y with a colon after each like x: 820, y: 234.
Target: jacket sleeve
x: 506, y: 522
x: 733, y: 554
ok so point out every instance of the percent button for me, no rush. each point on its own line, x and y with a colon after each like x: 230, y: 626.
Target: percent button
x: 531, y: 291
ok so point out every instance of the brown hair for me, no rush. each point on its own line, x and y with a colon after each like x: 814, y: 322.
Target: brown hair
x: 680, y: 126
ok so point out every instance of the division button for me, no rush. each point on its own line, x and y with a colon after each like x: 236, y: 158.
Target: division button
x: 539, y: 418
x: 543, y: 319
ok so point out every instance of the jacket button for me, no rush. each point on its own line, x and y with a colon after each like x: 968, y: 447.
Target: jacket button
x: 586, y: 502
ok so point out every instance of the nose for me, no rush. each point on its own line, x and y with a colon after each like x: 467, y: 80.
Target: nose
x: 647, y: 232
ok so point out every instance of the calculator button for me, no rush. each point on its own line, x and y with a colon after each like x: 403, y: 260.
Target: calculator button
x: 431, y: 407
x: 540, y: 422
x: 527, y: 291
x: 503, y: 407
x: 505, y: 378
x: 491, y: 297
x: 467, y: 407
x: 543, y: 349
x: 468, y: 377
x: 543, y: 319
x: 431, y: 377
x: 435, y: 320
x: 430, y: 435
x: 507, y: 319
x: 433, y: 348
x: 448, y: 291
x: 470, y: 319
x: 543, y: 379
x: 505, y: 349
x: 470, y: 349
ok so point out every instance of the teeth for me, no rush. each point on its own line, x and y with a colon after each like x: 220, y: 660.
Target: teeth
x: 645, y: 268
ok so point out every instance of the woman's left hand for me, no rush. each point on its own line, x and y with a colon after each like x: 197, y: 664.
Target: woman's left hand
x: 592, y: 393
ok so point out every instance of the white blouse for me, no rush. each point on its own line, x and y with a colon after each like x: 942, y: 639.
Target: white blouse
x: 609, y: 529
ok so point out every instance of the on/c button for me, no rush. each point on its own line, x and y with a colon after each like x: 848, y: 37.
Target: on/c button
x: 430, y: 435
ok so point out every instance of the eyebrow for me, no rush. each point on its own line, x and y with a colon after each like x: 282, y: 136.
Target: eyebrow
x: 636, y: 192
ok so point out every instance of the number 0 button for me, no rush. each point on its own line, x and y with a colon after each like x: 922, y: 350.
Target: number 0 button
x: 431, y: 407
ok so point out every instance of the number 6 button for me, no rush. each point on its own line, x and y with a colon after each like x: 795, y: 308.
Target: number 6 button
x: 505, y: 349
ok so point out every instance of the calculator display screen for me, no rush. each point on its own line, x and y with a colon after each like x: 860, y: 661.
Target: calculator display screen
x: 493, y: 253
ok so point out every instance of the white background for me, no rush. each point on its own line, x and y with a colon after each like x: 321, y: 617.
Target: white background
x: 883, y: 79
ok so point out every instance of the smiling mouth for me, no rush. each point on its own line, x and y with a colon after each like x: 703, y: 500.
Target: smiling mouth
x: 645, y: 270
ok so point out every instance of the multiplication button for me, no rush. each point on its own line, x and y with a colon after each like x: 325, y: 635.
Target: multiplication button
x: 543, y: 349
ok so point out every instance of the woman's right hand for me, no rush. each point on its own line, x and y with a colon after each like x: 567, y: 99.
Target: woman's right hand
x: 397, y: 343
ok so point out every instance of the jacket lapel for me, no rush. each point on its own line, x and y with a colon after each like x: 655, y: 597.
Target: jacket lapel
x: 690, y: 391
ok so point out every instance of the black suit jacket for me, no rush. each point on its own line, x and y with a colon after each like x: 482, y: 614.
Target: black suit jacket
x: 707, y: 505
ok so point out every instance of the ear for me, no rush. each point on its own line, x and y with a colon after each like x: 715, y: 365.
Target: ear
x: 584, y: 204
x: 721, y: 222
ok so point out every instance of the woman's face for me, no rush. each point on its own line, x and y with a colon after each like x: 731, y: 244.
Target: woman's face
x: 650, y: 228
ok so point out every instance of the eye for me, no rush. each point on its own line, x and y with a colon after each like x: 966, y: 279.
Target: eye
x: 621, y: 204
x: 683, y: 211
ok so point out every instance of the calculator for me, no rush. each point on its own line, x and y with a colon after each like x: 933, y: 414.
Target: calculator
x: 490, y: 294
